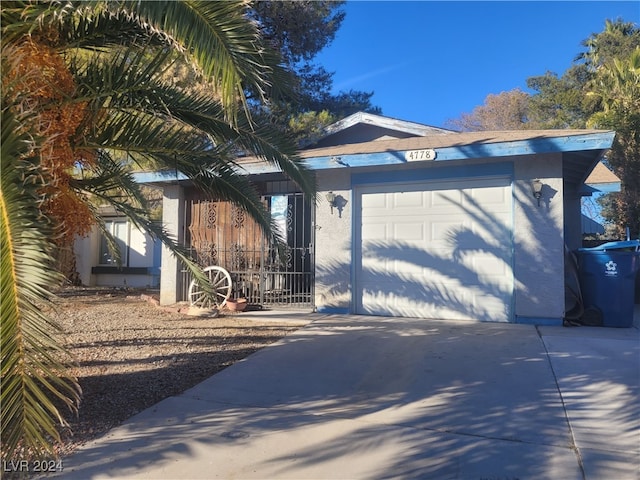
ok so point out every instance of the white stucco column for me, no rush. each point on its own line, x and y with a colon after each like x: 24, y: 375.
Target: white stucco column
x: 539, y: 241
x: 173, y: 221
x: 333, y: 287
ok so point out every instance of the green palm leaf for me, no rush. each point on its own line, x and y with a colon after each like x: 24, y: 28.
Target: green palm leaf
x: 161, y: 125
x: 220, y: 39
x: 33, y: 363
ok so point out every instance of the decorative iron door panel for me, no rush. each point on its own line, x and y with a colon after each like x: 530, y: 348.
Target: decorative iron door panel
x: 222, y: 234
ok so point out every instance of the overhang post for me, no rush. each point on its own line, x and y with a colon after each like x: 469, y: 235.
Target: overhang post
x: 173, y: 221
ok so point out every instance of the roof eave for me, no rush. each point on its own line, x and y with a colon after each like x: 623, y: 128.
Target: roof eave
x: 596, y: 142
x: 592, y: 145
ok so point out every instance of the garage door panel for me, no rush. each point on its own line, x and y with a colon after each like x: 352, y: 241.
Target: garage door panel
x: 408, y: 231
x: 491, y: 272
x: 373, y: 202
x: 375, y: 231
x: 407, y: 199
x: 446, y: 198
x: 447, y: 303
x: 434, y: 252
x: 410, y: 271
x: 481, y: 238
x: 396, y: 304
x: 496, y: 197
x: 444, y: 231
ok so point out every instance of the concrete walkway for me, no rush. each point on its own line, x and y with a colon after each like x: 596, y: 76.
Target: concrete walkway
x: 371, y: 397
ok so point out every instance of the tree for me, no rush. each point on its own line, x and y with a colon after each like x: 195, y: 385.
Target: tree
x: 599, y: 90
x: 299, y: 31
x: 560, y: 102
x: 556, y: 101
x: 84, y: 86
x: 33, y: 366
x: 618, y: 40
x: 308, y: 127
x: 612, y: 60
x: 504, y: 111
x: 617, y: 85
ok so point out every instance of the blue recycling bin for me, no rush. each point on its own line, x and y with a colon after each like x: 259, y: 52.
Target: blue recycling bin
x: 607, y: 280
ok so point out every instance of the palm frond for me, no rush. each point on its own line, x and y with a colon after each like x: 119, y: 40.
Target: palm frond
x: 147, y: 115
x: 22, y: 18
x: 222, y: 41
x: 147, y: 118
x: 95, y: 26
x: 33, y: 362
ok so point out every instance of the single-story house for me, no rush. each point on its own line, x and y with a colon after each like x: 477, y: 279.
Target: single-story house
x: 410, y: 221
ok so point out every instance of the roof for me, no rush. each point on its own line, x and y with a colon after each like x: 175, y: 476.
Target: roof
x: 388, y: 123
x: 468, y: 141
x: 601, y: 174
x: 581, y: 149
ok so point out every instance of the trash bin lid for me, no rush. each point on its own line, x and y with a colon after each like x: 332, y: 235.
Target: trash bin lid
x: 628, y: 245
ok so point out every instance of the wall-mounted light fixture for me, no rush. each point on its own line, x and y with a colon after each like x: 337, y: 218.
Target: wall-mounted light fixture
x: 536, y: 188
x: 331, y: 198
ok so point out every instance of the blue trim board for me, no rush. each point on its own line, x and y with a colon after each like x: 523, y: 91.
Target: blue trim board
x: 541, y: 145
x: 159, y: 176
x: 542, y: 321
x: 333, y: 310
x: 573, y: 143
x: 606, y: 187
x: 442, y: 173
x: 589, y: 189
x: 356, y: 160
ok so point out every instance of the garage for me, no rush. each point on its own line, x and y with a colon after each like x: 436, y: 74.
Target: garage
x: 439, y: 249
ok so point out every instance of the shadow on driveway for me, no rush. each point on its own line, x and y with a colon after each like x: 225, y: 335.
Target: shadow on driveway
x: 377, y: 397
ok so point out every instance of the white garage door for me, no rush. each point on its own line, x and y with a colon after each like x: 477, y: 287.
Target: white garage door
x: 435, y: 250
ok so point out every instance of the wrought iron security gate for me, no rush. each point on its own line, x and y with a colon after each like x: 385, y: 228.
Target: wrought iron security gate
x: 219, y: 233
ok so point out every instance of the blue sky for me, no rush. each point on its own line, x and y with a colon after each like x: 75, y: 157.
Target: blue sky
x: 431, y: 61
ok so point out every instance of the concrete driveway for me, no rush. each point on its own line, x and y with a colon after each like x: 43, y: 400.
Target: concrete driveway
x: 373, y: 397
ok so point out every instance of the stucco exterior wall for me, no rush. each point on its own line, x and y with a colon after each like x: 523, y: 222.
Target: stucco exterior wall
x: 333, y: 243
x: 126, y: 280
x: 173, y: 221
x: 538, y: 241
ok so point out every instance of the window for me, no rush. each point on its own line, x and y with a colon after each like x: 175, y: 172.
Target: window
x: 119, y: 229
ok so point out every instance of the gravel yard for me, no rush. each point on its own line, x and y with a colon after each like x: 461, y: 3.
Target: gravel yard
x: 131, y: 353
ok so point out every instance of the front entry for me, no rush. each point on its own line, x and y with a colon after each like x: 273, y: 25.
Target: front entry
x: 222, y: 234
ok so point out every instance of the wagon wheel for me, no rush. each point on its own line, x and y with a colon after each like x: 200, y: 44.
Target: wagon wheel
x: 221, y: 283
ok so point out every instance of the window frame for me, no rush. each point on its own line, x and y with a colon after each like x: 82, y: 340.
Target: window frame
x: 104, y: 256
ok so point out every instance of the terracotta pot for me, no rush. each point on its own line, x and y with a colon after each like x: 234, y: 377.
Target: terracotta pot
x: 236, y: 305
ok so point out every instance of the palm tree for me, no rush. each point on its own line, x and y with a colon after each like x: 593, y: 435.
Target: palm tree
x: 86, y: 85
x: 33, y: 364
x: 617, y: 85
x: 618, y: 39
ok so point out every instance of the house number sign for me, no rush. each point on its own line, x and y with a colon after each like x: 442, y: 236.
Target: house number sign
x: 417, y: 155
